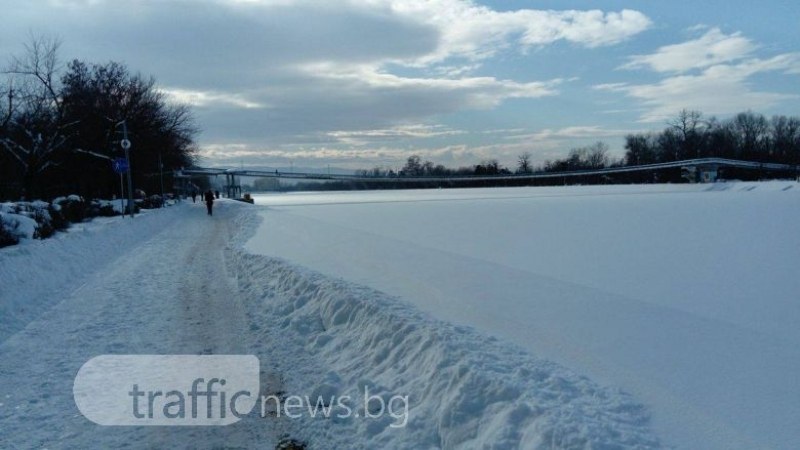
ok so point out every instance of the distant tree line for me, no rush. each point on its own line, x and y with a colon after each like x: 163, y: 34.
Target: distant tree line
x: 60, y: 127
x: 746, y: 136
x: 415, y: 167
x: 592, y: 157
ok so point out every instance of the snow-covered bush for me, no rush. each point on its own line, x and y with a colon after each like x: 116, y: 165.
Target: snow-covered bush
x: 49, y: 218
x: 103, y: 208
x: 39, y: 220
x: 45, y: 219
x: 151, y: 202
x: 15, y: 226
x: 57, y: 219
x: 73, y: 208
x: 7, y: 237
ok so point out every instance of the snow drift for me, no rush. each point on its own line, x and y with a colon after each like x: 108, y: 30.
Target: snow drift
x: 465, y: 389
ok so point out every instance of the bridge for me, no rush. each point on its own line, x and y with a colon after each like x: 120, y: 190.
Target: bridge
x: 697, y: 170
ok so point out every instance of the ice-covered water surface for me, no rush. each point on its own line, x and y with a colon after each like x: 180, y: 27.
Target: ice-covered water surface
x: 683, y: 295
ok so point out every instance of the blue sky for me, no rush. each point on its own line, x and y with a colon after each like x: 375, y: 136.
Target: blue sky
x: 363, y: 83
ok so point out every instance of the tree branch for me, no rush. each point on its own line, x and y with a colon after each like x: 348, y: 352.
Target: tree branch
x: 89, y: 152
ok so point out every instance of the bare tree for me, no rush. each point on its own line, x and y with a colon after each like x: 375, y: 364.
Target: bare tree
x: 488, y: 167
x: 413, y: 167
x: 687, y: 122
x: 752, y: 131
x: 524, y: 163
x: 691, y: 129
x: 597, y: 155
x: 640, y: 149
x: 6, y: 102
x: 33, y: 131
x: 786, y: 139
x: 428, y: 168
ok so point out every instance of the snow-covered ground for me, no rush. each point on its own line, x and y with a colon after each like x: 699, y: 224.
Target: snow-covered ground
x: 177, y: 282
x: 686, y: 296
x: 570, y: 317
x: 156, y: 284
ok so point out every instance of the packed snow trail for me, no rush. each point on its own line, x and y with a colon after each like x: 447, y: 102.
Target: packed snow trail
x: 169, y: 295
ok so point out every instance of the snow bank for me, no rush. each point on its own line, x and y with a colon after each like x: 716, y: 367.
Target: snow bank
x: 39, y: 273
x: 464, y: 389
x: 39, y: 219
x: 16, y: 226
x: 28, y: 220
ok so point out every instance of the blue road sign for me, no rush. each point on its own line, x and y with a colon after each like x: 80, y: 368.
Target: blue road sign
x: 120, y: 165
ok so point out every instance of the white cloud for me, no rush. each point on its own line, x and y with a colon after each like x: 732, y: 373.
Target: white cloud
x: 477, y: 32
x: 720, y: 89
x: 590, y: 28
x: 469, y: 92
x: 714, y: 47
x: 387, y: 156
x: 390, y: 147
x: 453, y: 155
x: 412, y: 131
x: 570, y: 133
x: 712, y: 74
x: 203, y: 99
x: 473, y: 31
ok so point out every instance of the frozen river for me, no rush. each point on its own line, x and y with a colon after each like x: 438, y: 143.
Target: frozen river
x: 685, y: 296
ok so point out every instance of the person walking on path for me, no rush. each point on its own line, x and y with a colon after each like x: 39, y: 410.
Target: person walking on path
x: 209, y: 197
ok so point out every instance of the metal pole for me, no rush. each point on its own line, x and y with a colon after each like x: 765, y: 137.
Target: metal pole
x: 121, y: 196
x: 126, y: 145
x: 161, y: 176
x: 130, y: 185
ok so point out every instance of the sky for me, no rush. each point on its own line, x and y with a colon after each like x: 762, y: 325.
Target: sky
x: 366, y: 83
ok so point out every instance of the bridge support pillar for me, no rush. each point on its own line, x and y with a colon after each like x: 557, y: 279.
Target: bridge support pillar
x: 700, y: 173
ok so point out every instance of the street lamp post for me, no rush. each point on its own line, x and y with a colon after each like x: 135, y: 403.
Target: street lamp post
x: 126, y: 145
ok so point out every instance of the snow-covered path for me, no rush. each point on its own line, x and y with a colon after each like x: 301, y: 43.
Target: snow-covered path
x: 169, y: 295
